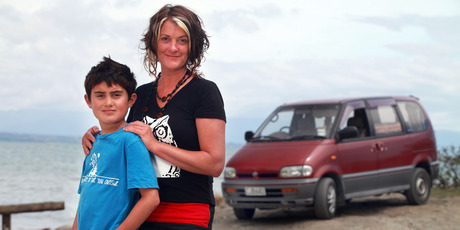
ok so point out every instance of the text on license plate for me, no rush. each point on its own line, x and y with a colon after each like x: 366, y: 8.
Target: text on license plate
x: 255, y: 191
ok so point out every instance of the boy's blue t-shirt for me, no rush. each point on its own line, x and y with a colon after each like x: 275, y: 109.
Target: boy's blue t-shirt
x: 118, y: 165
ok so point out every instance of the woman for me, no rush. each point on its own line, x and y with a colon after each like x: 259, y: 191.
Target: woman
x: 183, y: 121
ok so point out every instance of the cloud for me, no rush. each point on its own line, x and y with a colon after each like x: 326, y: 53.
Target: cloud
x: 437, y: 36
x: 262, y: 54
x: 242, y: 20
x: 253, y: 89
x: 47, y: 52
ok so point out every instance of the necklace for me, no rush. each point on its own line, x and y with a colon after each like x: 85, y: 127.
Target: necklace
x: 167, y: 98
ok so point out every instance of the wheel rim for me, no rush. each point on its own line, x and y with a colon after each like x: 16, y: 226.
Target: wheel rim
x: 331, y: 198
x: 420, y: 186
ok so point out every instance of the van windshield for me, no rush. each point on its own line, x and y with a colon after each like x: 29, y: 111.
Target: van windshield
x: 304, y: 122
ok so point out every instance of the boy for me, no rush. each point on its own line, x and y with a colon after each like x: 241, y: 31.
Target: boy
x: 119, y: 169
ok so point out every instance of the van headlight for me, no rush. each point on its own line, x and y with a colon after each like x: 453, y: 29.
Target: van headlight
x: 296, y: 171
x: 229, y: 172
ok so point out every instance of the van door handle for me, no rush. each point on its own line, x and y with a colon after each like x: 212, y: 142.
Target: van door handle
x: 380, y: 147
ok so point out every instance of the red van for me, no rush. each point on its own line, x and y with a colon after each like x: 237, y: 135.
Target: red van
x: 323, y: 153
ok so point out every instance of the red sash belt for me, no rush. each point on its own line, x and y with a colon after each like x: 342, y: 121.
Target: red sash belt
x: 186, y: 213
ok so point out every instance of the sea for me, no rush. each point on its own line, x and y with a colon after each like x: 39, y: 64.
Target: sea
x: 35, y: 172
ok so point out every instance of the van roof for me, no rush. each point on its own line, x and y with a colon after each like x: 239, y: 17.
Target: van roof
x: 348, y: 99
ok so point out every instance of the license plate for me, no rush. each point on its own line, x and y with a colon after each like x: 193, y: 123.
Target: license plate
x: 255, y: 191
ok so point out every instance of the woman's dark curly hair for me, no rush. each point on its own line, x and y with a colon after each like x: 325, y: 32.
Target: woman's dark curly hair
x: 190, y: 23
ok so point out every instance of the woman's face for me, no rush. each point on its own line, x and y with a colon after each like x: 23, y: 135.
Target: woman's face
x: 173, y: 46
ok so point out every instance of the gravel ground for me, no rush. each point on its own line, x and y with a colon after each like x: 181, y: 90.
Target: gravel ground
x: 386, y: 212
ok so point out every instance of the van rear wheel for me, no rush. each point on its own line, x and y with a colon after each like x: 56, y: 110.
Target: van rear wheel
x: 244, y: 213
x: 420, y: 187
x: 326, y: 199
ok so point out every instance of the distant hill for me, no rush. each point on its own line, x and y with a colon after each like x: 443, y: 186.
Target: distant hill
x: 21, y: 137
x: 443, y: 139
x: 4, y: 136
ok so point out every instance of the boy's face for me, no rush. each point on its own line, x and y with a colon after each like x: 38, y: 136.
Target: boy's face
x: 110, y: 105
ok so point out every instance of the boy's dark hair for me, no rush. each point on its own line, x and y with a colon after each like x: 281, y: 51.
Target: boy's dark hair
x: 110, y: 72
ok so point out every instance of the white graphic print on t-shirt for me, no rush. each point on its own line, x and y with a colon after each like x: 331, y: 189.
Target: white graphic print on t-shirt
x: 94, y: 178
x: 163, y: 133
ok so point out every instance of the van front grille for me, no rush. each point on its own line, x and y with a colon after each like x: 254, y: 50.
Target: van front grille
x: 262, y: 175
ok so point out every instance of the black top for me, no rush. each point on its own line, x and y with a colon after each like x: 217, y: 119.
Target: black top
x: 200, y: 98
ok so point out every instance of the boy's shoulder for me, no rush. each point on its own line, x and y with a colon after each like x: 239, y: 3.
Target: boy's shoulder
x: 120, y: 136
x: 130, y: 135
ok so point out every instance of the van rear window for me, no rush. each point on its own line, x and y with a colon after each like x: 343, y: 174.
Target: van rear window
x: 413, y: 116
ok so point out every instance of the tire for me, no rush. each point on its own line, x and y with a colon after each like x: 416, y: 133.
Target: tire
x: 244, y: 213
x: 420, y: 187
x: 325, y: 199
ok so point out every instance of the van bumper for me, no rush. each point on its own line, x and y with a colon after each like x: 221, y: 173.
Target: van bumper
x: 281, y: 193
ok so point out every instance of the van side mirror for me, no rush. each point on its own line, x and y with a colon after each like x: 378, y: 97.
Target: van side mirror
x: 348, y: 132
x: 248, y: 135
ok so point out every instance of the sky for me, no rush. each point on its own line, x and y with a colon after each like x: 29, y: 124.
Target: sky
x: 263, y: 53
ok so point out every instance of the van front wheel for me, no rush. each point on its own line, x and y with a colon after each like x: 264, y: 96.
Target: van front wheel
x: 325, y: 199
x: 420, y: 187
x: 244, y: 213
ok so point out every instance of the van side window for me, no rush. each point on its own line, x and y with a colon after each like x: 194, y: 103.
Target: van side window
x: 385, y: 120
x: 355, y: 115
x: 413, y: 116
x: 359, y: 120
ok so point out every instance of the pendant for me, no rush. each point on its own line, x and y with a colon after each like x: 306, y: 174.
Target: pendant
x: 159, y: 114
x: 163, y: 99
x: 145, y: 109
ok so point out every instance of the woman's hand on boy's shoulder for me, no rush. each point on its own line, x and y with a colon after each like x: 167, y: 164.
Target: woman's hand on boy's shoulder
x: 88, y: 139
x: 145, y: 133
